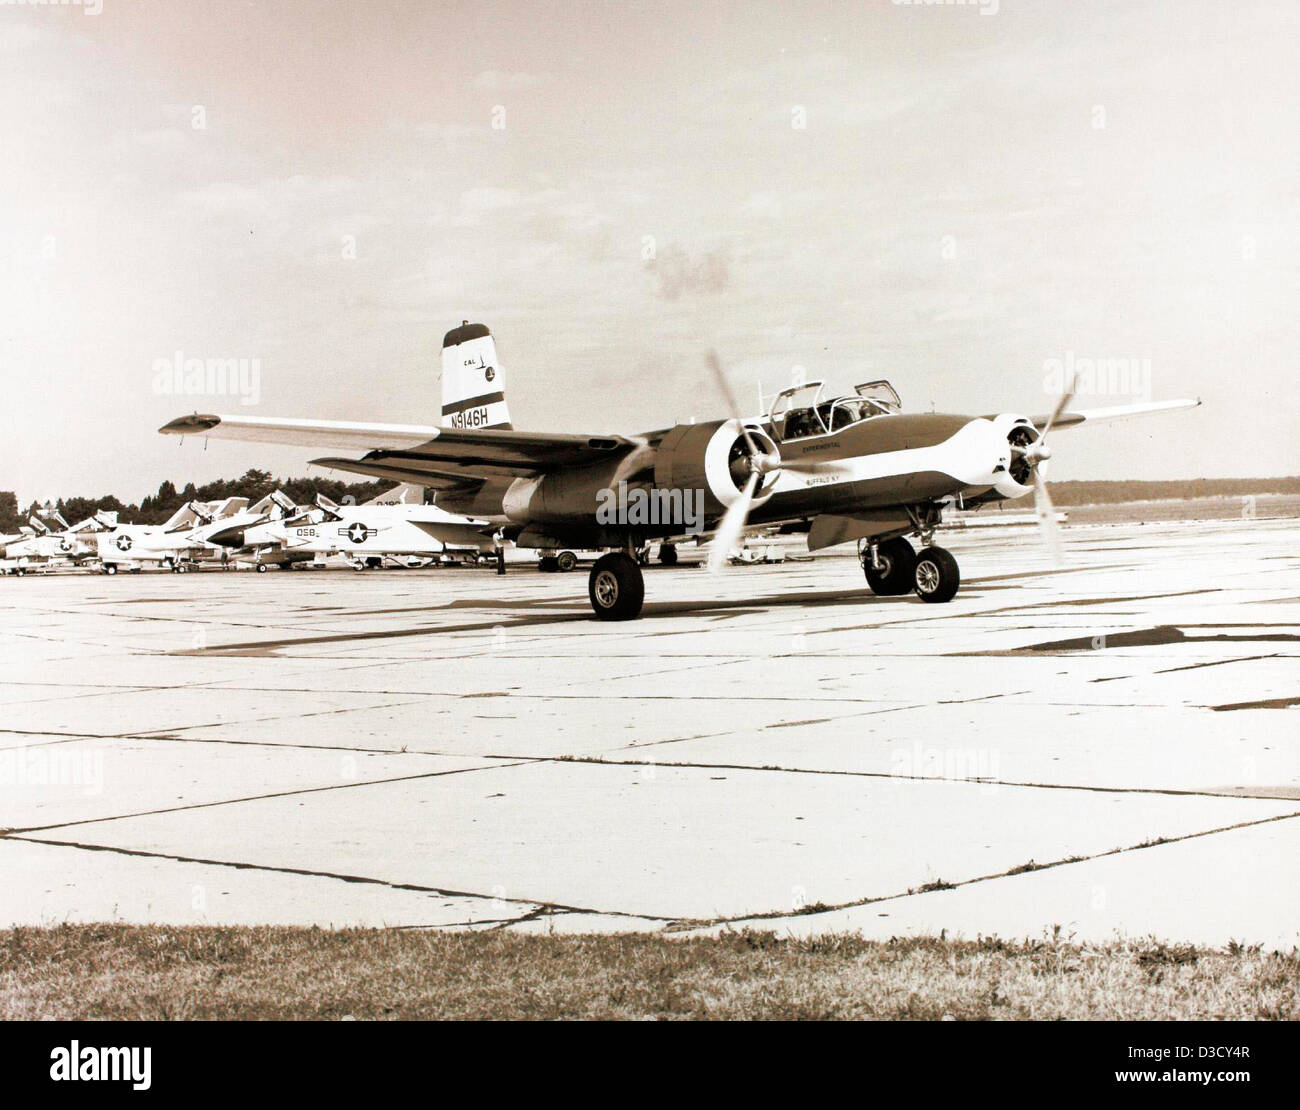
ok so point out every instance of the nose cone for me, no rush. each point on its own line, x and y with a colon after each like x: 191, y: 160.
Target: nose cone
x: 228, y: 537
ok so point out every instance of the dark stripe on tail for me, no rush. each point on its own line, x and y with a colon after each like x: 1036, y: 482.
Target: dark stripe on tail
x: 472, y: 403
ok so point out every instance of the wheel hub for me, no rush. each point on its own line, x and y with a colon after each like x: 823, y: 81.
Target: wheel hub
x: 927, y: 577
x: 606, y: 589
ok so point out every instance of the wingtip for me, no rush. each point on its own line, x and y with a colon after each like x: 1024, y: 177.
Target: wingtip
x: 194, y: 423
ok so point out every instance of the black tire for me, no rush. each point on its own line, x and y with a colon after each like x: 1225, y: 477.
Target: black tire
x: 548, y: 564
x: 897, y: 573
x: 110, y: 568
x: 261, y: 568
x: 937, y: 575
x: 616, y: 587
x: 668, y: 555
x: 565, y: 561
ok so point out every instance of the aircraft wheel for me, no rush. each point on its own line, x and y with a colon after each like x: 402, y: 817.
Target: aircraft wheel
x: 110, y: 568
x: 616, y: 587
x: 548, y: 564
x: 566, y: 561
x: 937, y: 576
x: 668, y: 555
x: 897, y: 573
x: 261, y: 568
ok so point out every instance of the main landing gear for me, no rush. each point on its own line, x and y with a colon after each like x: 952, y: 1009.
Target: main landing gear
x: 562, y: 563
x: 894, y: 568
x: 616, y: 587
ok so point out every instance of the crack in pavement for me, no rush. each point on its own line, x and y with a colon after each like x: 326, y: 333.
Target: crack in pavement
x: 979, y: 781
x: 334, y: 875
x: 687, y: 924
x: 18, y: 832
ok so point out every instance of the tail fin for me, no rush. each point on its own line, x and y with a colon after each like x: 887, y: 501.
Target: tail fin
x: 405, y: 494
x: 473, y: 385
x: 188, y: 515
x: 275, y: 504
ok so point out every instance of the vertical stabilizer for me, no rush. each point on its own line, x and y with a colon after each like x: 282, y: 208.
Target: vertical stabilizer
x: 473, y: 385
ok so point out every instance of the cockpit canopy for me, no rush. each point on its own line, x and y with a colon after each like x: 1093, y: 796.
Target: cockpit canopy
x: 801, y: 412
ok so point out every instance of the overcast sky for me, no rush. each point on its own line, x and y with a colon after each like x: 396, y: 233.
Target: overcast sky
x: 972, y: 196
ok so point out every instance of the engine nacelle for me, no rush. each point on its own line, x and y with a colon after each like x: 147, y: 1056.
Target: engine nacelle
x: 1016, y: 478
x: 713, y: 457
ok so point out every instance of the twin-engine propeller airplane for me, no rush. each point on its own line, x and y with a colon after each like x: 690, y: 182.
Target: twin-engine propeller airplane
x: 855, y: 467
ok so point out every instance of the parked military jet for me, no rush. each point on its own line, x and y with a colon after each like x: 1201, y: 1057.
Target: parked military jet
x: 853, y: 465
x: 39, y: 547
x: 174, y: 545
x: 365, y: 535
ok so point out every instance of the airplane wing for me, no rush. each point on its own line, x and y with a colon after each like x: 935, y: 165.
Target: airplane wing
x: 1069, y: 419
x: 413, y: 450
x: 458, y: 535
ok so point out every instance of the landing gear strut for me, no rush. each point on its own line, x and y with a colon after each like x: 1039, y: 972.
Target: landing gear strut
x: 616, y: 587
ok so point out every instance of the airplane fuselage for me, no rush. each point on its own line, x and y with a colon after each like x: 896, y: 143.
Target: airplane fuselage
x: 889, y: 460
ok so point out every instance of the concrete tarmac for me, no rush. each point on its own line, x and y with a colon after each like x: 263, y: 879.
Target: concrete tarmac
x: 1110, y: 748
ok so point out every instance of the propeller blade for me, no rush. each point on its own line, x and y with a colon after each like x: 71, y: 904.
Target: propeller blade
x: 1045, y: 511
x: 731, y: 526
x: 724, y: 387
x: 1066, y: 398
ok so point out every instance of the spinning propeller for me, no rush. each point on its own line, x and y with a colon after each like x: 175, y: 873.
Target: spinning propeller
x: 1037, y: 452
x: 761, y: 463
